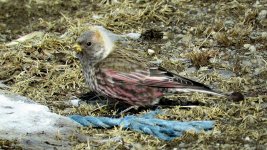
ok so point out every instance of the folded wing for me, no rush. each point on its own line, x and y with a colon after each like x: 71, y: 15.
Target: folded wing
x: 157, y: 78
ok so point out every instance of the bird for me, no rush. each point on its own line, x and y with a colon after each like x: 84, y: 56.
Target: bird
x: 124, y: 74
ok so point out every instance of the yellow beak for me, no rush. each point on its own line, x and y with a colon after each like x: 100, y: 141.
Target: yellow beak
x: 77, y: 47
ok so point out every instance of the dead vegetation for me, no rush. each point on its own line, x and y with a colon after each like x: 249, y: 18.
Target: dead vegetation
x: 207, y: 38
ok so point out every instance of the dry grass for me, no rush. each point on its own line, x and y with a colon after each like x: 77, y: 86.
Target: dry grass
x: 210, y: 34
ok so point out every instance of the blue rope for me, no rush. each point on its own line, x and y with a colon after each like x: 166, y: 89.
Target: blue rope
x: 163, y: 129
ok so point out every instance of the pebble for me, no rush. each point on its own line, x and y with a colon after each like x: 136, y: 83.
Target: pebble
x: 256, y: 4
x: 257, y: 71
x: 188, y: 71
x: 191, y: 70
x: 97, y: 16
x: 203, y: 69
x: 246, y: 46
x: 3, y: 38
x: 226, y: 74
x: 156, y: 62
x: 264, y: 35
x: 229, y: 23
x: 252, y: 48
x: 75, y: 102
x: 168, y: 44
x: 182, y: 145
x: 179, y: 36
x: 133, y: 36
x: 262, y: 15
x: 247, y: 139
x: 167, y: 35
x: 2, y: 85
x: 150, y: 51
x: 246, y: 63
x: 184, y: 31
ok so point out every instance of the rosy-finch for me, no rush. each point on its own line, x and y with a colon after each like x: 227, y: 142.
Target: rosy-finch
x: 125, y: 75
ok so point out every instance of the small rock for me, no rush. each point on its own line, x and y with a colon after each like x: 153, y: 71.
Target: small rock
x: 262, y: 15
x: 180, y: 60
x: 182, y: 145
x: 252, y: 48
x: 264, y: 35
x: 256, y: 4
x: 226, y: 74
x: 246, y: 46
x: 168, y: 44
x: 187, y: 71
x: 229, y: 23
x: 257, y: 71
x: 246, y: 63
x: 97, y: 16
x: 254, y: 35
x: 179, y: 36
x: 167, y: 35
x: 133, y: 36
x: 191, y: 70
x: 75, y: 102
x: 179, y: 48
x: 247, y: 139
x: 203, y: 69
x: 150, y: 51
x: 3, y: 38
x: 156, y: 62
x: 3, y: 86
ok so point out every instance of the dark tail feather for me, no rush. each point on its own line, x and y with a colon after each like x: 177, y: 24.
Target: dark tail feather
x: 188, y: 85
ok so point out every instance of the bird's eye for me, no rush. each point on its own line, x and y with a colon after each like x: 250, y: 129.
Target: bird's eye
x: 88, y: 43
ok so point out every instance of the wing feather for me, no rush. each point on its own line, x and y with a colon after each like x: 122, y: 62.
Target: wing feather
x: 165, y: 80
x: 132, y: 68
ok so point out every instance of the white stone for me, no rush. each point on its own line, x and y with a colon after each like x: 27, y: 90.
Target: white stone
x: 252, y: 48
x: 150, y: 51
x: 246, y: 46
x: 264, y: 35
x: 75, y: 102
x: 262, y: 15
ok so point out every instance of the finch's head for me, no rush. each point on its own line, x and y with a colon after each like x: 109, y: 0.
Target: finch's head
x: 93, y: 46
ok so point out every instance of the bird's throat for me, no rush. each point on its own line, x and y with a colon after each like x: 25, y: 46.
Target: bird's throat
x: 89, y: 72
